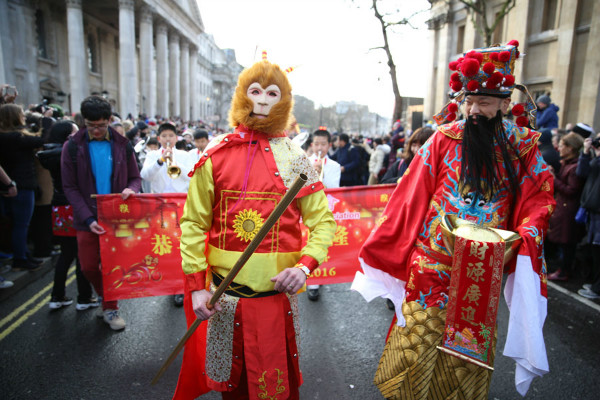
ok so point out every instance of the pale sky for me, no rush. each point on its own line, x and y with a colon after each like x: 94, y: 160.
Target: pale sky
x: 328, y: 43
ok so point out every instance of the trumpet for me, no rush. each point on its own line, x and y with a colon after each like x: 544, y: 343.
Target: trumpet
x: 172, y: 169
x: 322, y: 166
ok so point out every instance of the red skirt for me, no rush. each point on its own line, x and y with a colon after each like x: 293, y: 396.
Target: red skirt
x: 264, y: 353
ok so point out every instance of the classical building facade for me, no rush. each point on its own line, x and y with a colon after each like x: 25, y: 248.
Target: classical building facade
x: 145, y: 56
x: 559, y: 39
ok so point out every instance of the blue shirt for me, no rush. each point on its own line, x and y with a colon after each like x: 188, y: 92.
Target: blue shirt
x: 102, y: 164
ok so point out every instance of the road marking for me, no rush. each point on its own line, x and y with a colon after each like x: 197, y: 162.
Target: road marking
x: 29, y: 313
x: 577, y: 297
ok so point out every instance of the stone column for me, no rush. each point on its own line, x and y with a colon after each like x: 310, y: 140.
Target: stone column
x: 162, y: 70
x: 185, y: 80
x: 565, y: 47
x: 195, y: 112
x: 127, y: 73
x: 589, y: 103
x: 148, y: 101
x: 174, y: 76
x: 78, y: 72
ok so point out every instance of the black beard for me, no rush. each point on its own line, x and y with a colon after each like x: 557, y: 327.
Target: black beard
x: 479, y: 170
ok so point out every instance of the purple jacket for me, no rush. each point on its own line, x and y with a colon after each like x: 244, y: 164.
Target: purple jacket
x: 79, y: 184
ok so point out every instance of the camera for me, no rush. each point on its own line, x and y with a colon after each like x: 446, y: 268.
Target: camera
x: 596, y: 143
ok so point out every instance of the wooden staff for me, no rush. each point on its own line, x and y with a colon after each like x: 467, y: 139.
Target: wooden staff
x: 281, y: 207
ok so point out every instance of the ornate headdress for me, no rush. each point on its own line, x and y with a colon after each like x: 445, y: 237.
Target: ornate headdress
x: 487, y: 72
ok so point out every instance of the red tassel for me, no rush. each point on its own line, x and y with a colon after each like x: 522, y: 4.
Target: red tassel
x: 504, y: 56
x: 513, y: 43
x: 452, y: 107
x: 453, y: 65
x: 509, y: 80
x: 456, y: 86
x: 451, y: 117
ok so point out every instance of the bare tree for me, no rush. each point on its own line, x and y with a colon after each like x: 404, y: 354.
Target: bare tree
x: 386, y: 47
x: 479, y: 8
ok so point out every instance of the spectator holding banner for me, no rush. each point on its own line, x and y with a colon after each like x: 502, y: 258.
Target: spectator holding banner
x: 97, y: 160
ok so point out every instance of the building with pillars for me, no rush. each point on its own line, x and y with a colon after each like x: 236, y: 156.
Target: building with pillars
x: 145, y: 56
x: 559, y: 40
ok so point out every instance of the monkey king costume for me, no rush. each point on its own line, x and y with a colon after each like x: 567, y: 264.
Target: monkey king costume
x: 405, y: 258
x: 251, y: 347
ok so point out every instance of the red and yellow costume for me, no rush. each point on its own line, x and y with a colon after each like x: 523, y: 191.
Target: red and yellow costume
x: 416, y: 274
x: 252, y: 344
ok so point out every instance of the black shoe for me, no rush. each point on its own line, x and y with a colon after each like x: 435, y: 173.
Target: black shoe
x: 390, y: 304
x: 20, y: 264
x: 178, y: 300
x: 35, y: 260
x: 313, y: 294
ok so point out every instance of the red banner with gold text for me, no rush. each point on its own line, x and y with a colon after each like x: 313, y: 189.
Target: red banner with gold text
x: 140, y: 249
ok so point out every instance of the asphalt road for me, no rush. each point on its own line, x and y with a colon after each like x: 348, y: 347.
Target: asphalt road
x: 67, y: 354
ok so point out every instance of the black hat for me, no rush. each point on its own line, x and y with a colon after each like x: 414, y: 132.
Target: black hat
x: 583, y: 130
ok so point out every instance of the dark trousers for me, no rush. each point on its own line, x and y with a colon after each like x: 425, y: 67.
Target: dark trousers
x: 88, y: 244
x: 41, y: 231
x: 68, y: 253
x: 20, y: 210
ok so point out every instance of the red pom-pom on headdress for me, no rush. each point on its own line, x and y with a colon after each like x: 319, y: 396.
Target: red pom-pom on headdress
x: 452, y: 107
x: 494, y: 56
x: 453, y: 65
x: 469, y: 67
x: 522, y: 121
x: 518, y: 109
x: 456, y: 86
x: 504, y: 56
x: 451, y: 117
x: 509, y: 80
x: 494, y: 80
x: 475, y: 55
x: 489, y: 68
x: 472, y: 86
x: 455, y: 77
x: 513, y: 43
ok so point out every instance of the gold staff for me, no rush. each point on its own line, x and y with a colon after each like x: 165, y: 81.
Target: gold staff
x: 281, y: 207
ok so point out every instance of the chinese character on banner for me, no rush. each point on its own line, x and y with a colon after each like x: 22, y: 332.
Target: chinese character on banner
x: 384, y: 198
x: 162, y: 244
x: 124, y: 208
x: 475, y: 271
x: 341, y: 236
x: 478, y: 249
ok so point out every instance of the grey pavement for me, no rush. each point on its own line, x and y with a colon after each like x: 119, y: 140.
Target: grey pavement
x: 67, y: 354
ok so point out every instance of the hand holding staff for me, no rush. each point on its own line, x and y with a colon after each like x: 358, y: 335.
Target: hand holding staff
x: 281, y: 207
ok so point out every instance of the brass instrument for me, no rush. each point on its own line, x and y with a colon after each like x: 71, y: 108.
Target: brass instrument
x: 322, y: 166
x: 172, y: 169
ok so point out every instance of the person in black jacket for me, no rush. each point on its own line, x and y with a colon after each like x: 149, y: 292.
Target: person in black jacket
x: 349, y: 159
x: 62, y: 224
x: 548, y: 151
x: 17, y: 159
x: 416, y: 140
x: 589, y: 167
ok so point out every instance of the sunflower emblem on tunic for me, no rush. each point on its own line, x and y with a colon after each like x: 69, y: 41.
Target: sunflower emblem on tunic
x: 247, y: 224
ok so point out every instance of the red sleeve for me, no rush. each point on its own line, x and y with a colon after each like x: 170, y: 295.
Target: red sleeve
x: 390, y: 244
x: 533, y: 208
x: 195, y: 281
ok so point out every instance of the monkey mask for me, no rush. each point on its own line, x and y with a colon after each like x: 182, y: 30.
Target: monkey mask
x: 262, y: 100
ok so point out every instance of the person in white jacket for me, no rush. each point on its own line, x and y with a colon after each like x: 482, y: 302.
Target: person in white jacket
x: 376, y: 161
x: 156, y: 165
x: 329, y: 173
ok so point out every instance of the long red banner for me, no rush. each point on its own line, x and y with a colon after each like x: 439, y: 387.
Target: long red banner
x: 140, y: 249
